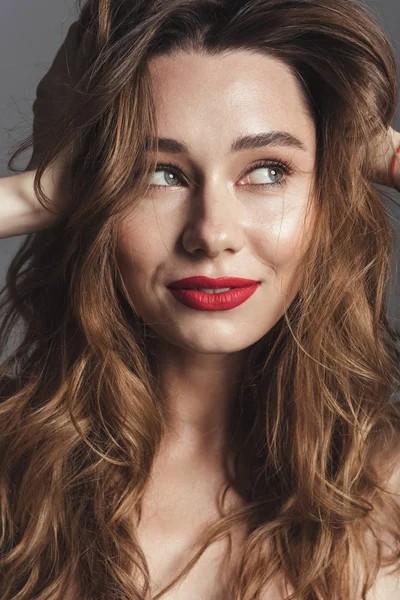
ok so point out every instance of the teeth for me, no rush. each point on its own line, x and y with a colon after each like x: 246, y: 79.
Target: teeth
x: 212, y: 291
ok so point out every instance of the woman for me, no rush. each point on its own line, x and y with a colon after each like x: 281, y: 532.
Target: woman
x: 163, y: 437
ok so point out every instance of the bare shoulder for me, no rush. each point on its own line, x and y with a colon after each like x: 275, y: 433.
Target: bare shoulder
x: 386, y: 461
x: 386, y: 587
x: 387, y: 464
x: 278, y: 589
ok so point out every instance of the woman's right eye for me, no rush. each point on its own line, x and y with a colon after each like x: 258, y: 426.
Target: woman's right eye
x: 167, y: 175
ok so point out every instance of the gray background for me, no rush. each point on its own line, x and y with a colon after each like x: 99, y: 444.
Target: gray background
x: 31, y: 32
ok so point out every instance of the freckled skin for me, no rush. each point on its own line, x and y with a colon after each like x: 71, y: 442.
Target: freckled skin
x: 219, y: 227
x: 222, y: 226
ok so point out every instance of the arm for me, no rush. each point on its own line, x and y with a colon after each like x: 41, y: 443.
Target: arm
x: 395, y: 137
x: 20, y: 211
x: 18, y: 215
x: 383, y: 159
x: 396, y: 140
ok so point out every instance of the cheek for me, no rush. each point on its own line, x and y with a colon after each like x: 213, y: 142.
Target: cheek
x: 134, y: 261
x: 145, y: 236
x: 136, y: 253
x: 142, y: 254
x: 282, y: 239
x: 132, y: 255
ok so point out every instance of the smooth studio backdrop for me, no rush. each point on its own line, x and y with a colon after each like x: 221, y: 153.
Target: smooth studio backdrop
x: 31, y: 32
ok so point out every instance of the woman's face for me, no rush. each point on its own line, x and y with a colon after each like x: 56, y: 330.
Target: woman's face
x: 212, y: 216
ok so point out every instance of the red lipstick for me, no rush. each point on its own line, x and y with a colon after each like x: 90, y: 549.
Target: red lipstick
x: 188, y: 292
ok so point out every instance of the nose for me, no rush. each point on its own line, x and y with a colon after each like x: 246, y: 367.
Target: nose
x: 215, y: 221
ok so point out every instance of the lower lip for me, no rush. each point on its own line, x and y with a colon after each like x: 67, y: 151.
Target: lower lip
x: 221, y: 301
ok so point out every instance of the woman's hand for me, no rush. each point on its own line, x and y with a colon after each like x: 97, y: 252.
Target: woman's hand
x: 54, y: 92
x: 385, y: 151
x: 20, y: 210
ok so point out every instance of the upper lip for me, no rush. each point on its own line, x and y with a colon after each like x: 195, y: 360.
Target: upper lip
x: 200, y: 281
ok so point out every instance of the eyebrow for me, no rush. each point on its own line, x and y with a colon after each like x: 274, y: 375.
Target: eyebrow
x: 246, y: 142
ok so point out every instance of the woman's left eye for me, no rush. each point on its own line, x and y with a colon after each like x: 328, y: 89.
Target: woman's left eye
x: 272, y: 167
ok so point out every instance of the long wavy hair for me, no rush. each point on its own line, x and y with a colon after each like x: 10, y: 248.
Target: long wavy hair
x: 81, y: 415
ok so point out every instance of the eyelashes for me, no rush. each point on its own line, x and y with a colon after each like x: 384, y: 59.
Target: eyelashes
x: 285, y: 166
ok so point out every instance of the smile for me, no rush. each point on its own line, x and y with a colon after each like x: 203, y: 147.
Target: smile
x: 214, y: 299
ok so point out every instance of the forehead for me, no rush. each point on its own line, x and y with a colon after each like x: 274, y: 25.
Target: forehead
x: 197, y: 95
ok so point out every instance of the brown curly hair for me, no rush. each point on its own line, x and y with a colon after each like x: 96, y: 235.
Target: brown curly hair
x: 80, y: 412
